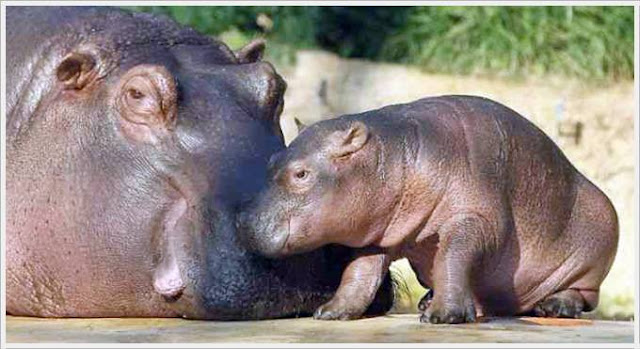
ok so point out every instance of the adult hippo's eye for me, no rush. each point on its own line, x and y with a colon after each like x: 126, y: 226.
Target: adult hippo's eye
x: 142, y: 98
x: 146, y: 98
x: 135, y: 94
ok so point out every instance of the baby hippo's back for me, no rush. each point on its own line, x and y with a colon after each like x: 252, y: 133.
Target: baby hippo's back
x: 557, y: 230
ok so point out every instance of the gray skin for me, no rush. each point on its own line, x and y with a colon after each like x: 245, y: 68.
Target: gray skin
x: 487, y: 209
x: 131, y: 144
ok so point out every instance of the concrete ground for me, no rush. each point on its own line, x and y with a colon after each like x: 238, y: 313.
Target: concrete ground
x: 390, y: 328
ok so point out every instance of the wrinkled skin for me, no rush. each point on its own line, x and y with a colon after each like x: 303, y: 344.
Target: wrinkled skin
x: 489, y: 212
x: 131, y: 143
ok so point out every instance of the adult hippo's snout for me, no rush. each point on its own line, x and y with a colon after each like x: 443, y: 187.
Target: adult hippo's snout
x: 131, y: 142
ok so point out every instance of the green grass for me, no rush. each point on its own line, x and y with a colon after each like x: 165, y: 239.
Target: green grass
x: 586, y: 42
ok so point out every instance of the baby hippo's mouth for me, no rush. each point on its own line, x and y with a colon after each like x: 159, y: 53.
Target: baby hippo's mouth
x: 265, y: 239
x: 276, y: 245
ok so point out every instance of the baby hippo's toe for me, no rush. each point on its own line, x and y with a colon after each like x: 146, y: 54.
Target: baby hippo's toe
x: 441, y: 313
x: 336, y: 310
x: 564, y: 304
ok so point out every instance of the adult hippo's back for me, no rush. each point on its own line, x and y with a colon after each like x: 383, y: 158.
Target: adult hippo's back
x: 131, y: 143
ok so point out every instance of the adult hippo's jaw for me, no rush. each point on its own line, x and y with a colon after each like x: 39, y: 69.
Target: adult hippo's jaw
x: 131, y: 144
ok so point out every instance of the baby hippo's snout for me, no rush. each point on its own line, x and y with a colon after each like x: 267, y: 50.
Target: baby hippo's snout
x: 259, y: 234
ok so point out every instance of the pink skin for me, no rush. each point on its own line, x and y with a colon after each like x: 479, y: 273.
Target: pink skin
x: 487, y: 209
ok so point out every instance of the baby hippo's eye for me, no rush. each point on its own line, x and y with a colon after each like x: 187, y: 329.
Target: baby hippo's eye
x: 300, y: 179
x: 302, y: 174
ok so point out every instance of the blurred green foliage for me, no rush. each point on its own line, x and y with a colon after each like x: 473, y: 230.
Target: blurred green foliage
x: 584, y: 41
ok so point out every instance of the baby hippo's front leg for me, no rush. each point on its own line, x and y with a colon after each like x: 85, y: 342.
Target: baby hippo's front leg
x: 360, y: 282
x: 460, y: 248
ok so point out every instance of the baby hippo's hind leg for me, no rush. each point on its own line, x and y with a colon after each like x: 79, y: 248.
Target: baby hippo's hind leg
x: 594, y: 228
x: 564, y: 304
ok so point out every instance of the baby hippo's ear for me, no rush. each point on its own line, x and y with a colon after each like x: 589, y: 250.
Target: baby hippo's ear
x: 349, y: 141
x: 299, y: 124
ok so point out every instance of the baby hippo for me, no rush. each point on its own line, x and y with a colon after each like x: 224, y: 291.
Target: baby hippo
x: 487, y: 209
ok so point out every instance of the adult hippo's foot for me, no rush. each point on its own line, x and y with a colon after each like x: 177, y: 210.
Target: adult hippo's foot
x: 563, y: 304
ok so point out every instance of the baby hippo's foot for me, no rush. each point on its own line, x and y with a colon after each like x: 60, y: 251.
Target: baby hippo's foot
x: 425, y: 302
x: 337, y: 309
x: 439, y: 311
x: 563, y: 304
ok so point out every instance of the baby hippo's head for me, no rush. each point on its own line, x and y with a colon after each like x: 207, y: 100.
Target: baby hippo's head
x: 319, y: 192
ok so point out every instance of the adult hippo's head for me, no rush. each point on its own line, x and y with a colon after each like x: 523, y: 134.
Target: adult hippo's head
x: 131, y: 143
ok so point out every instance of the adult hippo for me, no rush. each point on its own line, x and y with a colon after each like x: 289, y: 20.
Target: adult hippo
x: 131, y: 143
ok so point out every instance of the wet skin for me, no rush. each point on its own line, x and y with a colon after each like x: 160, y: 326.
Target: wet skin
x: 487, y: 209
x: 131, y: 144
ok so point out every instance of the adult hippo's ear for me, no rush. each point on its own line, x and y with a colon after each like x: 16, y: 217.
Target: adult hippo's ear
x: 349, y: 141
x: 265, y: 88
x: 77, y: 70
x: 252, y: 52
x: 146, y: 99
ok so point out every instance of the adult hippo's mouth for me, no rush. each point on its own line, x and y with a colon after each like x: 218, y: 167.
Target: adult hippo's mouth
x: 167, y: 278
